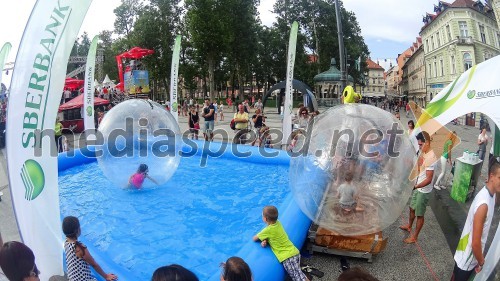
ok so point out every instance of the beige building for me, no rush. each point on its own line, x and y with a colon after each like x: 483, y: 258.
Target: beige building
x: 458, y: 36
x: 392, y: 81
x: 375, y: 86
x: 413, y: 82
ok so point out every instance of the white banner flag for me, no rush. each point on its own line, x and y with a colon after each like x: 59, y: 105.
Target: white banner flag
x: 88, y: 98
x: 36, y: 89
x: 287, y: 114
x: 4, y: 53
x: 174, y: 72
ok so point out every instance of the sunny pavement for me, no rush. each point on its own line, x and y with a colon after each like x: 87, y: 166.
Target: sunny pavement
x: 430, y: 259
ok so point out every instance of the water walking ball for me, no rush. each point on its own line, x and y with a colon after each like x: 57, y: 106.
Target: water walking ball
x: 351, y: 173
x: 139, y: 132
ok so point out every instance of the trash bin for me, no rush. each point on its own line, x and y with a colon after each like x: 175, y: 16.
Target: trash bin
x: 465, y: 179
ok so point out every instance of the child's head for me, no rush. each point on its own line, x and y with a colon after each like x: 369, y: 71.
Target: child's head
x: 236, y: 269
x: 143, y: 168
x: 173, y: 272
x: 348, y: 177
x: 18, y: 261
x: 71, y: 227
x: 270, y: 213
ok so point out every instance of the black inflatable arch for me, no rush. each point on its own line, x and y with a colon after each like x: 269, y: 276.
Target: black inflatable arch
x: 309, y: 99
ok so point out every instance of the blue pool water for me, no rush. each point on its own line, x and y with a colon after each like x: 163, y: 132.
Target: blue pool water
x: 198, y: 219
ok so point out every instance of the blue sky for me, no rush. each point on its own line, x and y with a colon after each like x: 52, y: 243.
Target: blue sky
x: 388, y: 26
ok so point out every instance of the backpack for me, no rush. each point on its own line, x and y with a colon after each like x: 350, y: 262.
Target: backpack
x: 232, y: 125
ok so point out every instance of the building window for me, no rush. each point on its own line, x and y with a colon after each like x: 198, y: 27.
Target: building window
x: 448, y: 32
x: 432, y: 41
x: 435, y: 69
x: 438, y: 39
x: 463, y: 29
x: 427, y: 43
x: 453, y: 67
x: 467, y: 61
x: 482, y: 33
x: 442, y: 68
x: 430, y: 70
x: 498, y: 39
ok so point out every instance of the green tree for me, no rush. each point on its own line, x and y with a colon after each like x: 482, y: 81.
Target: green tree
x: 209, y: 33
x: 126, y: 15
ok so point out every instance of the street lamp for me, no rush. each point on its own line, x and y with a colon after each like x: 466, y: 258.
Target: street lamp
x: 343, y: 73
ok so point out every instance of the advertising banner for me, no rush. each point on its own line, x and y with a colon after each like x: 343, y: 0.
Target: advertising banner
x: 4, y: 52
x: 287, y: 115
x: 36, y: 88
x: 136, y: 81
x: 174, y: 72
x: 88, y: 100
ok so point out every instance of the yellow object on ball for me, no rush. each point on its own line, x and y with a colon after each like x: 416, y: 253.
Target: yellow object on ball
x: 350, y: 96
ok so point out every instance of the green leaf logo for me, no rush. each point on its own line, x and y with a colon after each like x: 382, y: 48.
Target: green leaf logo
x: 471, y: 94
x: 174, y: 107
x: 89, y: 110
x: 33, y: 179
x: 462, y: 244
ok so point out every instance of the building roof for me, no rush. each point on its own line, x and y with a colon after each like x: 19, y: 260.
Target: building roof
x: 471, y: 4
x: 331, y: 75
x: 373, y: 65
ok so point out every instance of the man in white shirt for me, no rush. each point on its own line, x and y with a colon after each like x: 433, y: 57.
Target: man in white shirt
x: 422, y: 191
x: 469, y: 256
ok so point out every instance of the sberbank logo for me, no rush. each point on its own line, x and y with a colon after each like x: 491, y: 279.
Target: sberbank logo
x: 89, y: 110
x: 174, y: 107
x: 33, y: 179
x: 471, y: 94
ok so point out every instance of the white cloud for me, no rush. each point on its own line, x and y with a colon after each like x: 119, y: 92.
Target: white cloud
x: 396, y: 20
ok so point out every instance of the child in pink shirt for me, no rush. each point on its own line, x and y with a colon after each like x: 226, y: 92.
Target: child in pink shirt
x: 137, y: 179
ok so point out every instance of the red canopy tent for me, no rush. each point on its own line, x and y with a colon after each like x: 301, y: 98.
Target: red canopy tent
x: 78, y: 102
x: 73, y: 84
x: 72, y: 118
x: 134, y: 53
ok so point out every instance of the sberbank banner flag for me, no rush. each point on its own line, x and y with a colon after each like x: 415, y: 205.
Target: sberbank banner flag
x: 287, y: 112
x: 36, y: 88
x: 4, y: 52
x: 476, y: 90
x: 88, y: 100
x: 174, y: 73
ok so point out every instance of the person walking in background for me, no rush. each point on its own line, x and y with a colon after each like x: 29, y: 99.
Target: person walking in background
x: 446, y: 158
x: 469, y: 256
x: 208, y: 114
x: 58, y: 134
x: 241, y: 123
x: 407, y: 109
x: 482, y: 141
x: 421, y: 192
x: 194, y: 122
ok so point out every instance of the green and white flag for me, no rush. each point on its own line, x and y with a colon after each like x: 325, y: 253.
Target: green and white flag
x: 174, y: 72
x: 36, y: 89
x: 4, y: 52
x: 88, y: 98
x: 287, y: 112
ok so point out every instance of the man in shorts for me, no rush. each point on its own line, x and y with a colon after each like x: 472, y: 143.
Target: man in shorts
x: 208, y: 114
x: 422, y: 191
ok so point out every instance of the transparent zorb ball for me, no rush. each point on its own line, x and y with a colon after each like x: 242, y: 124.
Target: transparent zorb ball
x: 139, y: 132
x: 351, y: 172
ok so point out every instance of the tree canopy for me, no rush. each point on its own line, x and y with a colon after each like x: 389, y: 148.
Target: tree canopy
x: 226, y: 45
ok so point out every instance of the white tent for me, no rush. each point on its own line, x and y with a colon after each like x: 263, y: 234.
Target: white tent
x: 108, y: 82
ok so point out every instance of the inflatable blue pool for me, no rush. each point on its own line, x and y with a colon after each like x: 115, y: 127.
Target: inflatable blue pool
x: 201, y: 217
